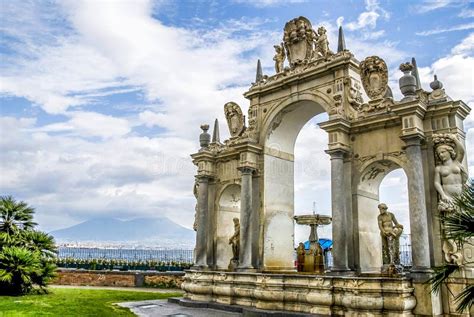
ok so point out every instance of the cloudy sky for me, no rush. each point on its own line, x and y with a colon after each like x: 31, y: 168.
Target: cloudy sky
x: 101, y: 101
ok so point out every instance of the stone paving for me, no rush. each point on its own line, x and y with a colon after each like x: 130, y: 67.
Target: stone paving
x: 161, y: 308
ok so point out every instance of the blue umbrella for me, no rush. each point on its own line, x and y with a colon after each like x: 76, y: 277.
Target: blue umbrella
x: 325, y: 244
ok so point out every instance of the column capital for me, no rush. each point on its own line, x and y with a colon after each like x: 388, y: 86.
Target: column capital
x: 245, y: 170
x: 413, y: 139
x: 203, y: 178
x: 337, y: 153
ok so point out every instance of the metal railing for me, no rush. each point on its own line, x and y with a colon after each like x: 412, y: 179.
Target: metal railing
x: 126, y: 254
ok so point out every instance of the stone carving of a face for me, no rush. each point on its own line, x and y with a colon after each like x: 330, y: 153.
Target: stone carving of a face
x: 445, y: 152
x: 383, y: 208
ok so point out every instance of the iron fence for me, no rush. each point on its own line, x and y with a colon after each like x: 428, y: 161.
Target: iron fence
x: 126, y: 254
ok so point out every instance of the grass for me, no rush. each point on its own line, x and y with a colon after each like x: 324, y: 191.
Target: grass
x: 75, y: 302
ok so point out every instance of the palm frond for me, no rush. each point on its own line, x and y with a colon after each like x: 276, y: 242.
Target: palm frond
x: 441, y: 274
x: 465, y: 299
x: 459, y: 225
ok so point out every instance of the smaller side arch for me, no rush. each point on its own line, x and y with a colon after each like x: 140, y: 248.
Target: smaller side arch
x: 365, y: 204
x: 228, y: 208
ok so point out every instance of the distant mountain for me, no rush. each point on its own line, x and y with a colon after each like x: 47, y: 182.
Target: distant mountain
x: 111, y: 229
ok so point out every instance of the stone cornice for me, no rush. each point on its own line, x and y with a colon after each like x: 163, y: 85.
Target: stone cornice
x: 314, y: 69
x: 448, y: 108
x: 203, y: 155
x: 375, y: 122
x: 415, y: 106
x: 339, y: 124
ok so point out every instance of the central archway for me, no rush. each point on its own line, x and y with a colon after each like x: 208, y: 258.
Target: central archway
x: 279, y: 135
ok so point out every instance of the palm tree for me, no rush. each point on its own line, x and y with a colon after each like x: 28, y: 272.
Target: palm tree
x: 15, y: 216
x: 19, y: 267
x: 458, y: 226
x: 25, y: 254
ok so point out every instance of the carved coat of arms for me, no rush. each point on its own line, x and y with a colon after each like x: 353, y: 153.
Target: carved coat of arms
x: 298, y: 40
x: 374, y: 75
x: 235, y: 119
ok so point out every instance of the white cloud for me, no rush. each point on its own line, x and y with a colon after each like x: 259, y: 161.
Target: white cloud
x: 466, y: 13
x: 92, y: 163
x: 455, y: 71
x: 368, y: 19
x: 430, y: 5
x: 461, y: 27
x: 69, y: 179
x: 268, y: 3
x: 466, y: 47
x: 150, y: 118
x: 118, y: 45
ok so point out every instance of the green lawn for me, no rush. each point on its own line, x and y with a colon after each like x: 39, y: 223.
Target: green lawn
x: 75, y: 302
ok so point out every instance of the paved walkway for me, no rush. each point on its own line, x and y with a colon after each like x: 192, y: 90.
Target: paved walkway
x: 117, y: 288
x: 161, y: 308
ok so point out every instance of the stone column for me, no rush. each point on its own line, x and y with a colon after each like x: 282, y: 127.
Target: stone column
x: 246, y: 235
x: 203, y: 221
x: 339, y: 219
x: 416, y: 197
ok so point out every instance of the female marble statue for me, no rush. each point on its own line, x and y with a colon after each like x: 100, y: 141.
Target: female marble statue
x: 450, y: 174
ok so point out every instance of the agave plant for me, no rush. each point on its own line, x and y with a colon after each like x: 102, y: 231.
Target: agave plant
x: 458, y: 226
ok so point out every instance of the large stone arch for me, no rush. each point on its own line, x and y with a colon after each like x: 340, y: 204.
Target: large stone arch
x: 274, y: 116
x: 280, y: 132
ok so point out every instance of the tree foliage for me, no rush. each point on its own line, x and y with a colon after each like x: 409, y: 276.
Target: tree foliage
x: 25, y: 253
x: 459, y: 227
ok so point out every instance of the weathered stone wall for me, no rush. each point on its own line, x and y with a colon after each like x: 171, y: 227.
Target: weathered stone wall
x: 116, y: 278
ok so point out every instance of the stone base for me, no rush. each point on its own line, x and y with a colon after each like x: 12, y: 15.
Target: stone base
x: 303, y: 293
x: 245, y: 311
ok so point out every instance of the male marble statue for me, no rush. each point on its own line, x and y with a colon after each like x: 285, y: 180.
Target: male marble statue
x: 390, y: 231
x: 234, y: 241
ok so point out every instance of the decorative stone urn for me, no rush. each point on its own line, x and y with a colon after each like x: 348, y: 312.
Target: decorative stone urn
x: 204, y: 138
x: 407, y: 82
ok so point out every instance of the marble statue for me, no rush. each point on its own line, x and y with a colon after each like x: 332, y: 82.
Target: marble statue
x: 450, y: 176
x: 234, y: 241
x: 196, y: 208
x: 279, y: 57
x: 390, y: 231
x: 300, y: 252
x: 235, y: 119
x: 322, y: 43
